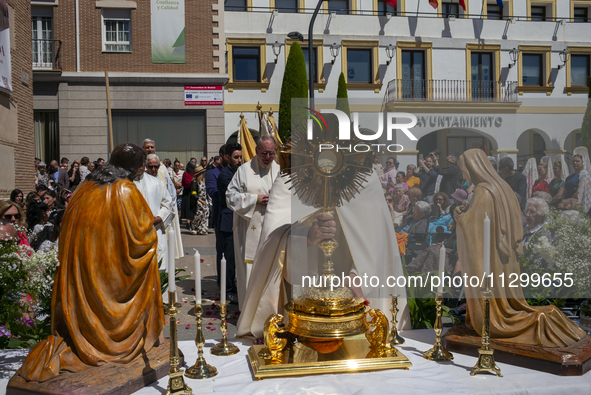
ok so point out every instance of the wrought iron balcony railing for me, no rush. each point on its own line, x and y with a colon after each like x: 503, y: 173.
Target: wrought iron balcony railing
x: 451, y: 90
x: 46, y: 54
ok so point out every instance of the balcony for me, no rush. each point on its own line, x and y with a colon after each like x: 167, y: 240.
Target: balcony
x: 452, y: 91
x: 46, y: 55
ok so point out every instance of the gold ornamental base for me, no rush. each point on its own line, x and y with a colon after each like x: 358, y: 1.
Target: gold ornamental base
x: 325, y: 327
x: 355, y: 355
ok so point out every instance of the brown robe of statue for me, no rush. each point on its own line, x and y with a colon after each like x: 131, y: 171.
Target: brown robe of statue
x: 511, y: 318
x: 106, y: 305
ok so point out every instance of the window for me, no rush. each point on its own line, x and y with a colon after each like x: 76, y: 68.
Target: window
x: 414, y: 69
x: 494, y: 12
x: 339, y: 6
x: 532, y: 68
x: 449, y: 9
x: 581, y: 14
x: 288, y: 6
x: 413, y: 74
x: 247, y: 64
x: 307, y: 59
x: 359, y: 66
x: 482, y: 71
x: 541, y: 10
x: 116, y: 30
x: 538, y: 13
x: 236, y: 5
x: 579, y: 70
x: 42, y: 30
x: 384, y: 8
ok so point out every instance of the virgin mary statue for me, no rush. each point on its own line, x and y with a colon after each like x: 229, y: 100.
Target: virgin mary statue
x: 511, y: 318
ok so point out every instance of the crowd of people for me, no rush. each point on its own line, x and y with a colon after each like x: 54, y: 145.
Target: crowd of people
x: 425, y: 201
x: 35, y: 218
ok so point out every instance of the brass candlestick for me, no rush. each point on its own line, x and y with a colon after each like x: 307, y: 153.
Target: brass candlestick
x: 201, y: 369
x: 395, y: 338
x: 224, y: 348
x: 438, y: 353
x: 176, y: 382
x: 486, y: 361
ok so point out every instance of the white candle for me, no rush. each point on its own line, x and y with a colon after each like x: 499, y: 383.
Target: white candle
x: 197, y: 277
x: 486, y: 257
x: 171, y: 265
x: 223, y: 280
x: 441, y: 268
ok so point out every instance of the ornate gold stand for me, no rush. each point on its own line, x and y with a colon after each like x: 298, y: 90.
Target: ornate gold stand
x: 486, y: 361
x: 224, y: 348
x: 395, y: 338
x: 201, y: 370
x: 176, y: 382
x: 438, y: 353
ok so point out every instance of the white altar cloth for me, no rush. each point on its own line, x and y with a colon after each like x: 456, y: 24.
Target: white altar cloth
x: 424, y: 377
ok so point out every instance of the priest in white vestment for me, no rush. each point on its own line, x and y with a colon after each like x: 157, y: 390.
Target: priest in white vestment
x: 163, y: 175
x: 247, y: 196
x: 367, y: 246
x: 160, y: 203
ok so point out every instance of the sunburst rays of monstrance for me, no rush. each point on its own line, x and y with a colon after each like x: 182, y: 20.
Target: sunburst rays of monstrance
x: 324, y: 176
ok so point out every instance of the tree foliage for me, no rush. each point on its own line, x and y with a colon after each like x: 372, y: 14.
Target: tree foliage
x: 294, y: 85
x: 586, y: 128
x: 342, y: 96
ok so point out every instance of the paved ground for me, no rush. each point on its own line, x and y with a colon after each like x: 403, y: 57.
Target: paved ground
x: 186, y: 326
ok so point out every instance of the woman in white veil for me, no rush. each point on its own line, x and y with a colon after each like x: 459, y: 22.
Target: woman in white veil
x: 578, y: 184
x: 530, y: 171
x: 548, y: 162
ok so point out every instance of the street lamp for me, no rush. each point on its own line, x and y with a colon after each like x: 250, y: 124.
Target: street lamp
x: 514, y: 55
x: 311, y: 52
x: 334, y: 51
x: 296, y: 36
x: 276, y: 50
x: 563, y: 58
x: 389, y: 53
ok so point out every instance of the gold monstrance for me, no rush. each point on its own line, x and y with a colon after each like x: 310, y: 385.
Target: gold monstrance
x: 322, y: 319
x: 324, y: 178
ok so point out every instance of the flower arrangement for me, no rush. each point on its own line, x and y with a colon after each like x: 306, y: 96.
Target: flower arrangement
x: 564, y: 247
x: 26, y: 282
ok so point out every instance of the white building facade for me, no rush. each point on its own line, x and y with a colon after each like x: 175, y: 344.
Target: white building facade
x: 510, y: 79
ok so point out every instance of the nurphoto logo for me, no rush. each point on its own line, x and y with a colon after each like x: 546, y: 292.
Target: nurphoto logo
x: 394, y: 121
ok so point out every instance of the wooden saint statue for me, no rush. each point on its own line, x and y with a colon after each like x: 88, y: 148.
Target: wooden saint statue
x: 511, y: 318
x: 106, y: 304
